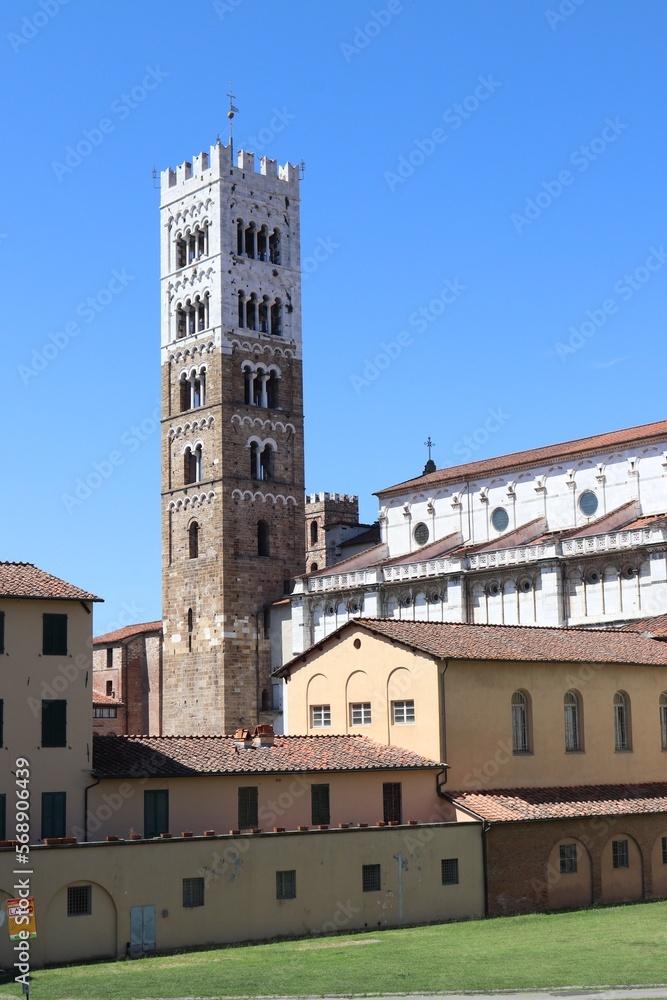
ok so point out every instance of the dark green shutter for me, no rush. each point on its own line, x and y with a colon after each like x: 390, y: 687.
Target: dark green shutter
x: 53, y: 814
x: 54, y: 723
x: 54, y: 641
x: 248, y: 807
x: 156, y: 813
x: 319, y: 797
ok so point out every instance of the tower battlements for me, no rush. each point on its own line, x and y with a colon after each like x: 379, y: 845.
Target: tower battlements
x: 218, y: 163
x: 340, y: 498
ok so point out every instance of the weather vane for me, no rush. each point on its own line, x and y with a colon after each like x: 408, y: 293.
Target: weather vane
x: 230, y: 114
x: 429, y: 444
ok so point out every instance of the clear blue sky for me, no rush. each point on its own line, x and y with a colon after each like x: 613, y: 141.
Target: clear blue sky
x: 481, y: 179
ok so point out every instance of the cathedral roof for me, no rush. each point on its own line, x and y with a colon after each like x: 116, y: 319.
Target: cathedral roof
x: 126, y: 633
x: 186, y: 756
x: 531, y: 457
x: 21, y: 579
x: 511, y: 643
x: 571, y: 802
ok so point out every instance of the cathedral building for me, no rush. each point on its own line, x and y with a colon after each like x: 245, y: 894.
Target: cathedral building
x: 232, y: 431
x: 571, y: 534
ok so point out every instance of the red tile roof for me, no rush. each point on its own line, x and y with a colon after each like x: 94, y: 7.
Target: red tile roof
x: 183, y: 756
x: 362, y: 560
x: 579, y: 801
x: 105, y: 699
x: 655, y: 627
x: 21, y: 579
x: 126, y: 633
x: 533, y: 456
x: 459, y: 641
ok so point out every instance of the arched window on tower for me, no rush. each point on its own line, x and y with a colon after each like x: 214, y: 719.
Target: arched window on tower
x: 272, y: 391
x: 239, y: 237
x: 192, y: 472
x: 266, y: 463
x: 263, y: 243
x: 193, y: 390
x: 313, y: 532
x: 254, y: 460
x: 277, y: 318
x: 251, y: 241
x: 193, y: 540
x: 274, y: 247
x: 190, y: 625
x: 264, y: 315
x: 263, y: 539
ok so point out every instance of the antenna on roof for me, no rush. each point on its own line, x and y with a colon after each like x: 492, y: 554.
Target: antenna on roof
x: 230, y: 115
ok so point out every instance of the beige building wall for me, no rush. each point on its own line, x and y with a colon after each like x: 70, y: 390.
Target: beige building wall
x: 239, y: 883
x: 116, y: 807
x: 28, y: 678
x: 463, y: 712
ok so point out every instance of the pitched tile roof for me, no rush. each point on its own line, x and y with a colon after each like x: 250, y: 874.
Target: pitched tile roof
x: 183, y: 756
x: 126, y: 633
x: 106, y: 699
x: 533, y: 456
x: 459, y: 641
x: 523, y: 804
x: 22, y: 579
x: 655, y: 628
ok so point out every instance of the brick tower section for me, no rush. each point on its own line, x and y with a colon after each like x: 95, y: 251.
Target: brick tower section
x: 232, y: 431
x: 323, y: 510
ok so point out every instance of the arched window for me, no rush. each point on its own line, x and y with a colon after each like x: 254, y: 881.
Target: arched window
x: 622, y: 733
x: 266, y: 463
x: 274, y: 247
x: 251, y: 313
x: 313, y: 532
x: 663, y: 721
x: 193, y: 390
x: 263, y: 539
x: 254, y: 460
x: 572, y: 722
x: 277, y: 318
x: 239, y: 237
x: 192, y: 465
x: 272, y: 391
x: 263, y: 321
x: 250, y: 241
x: 520, y: 723
x: 193, y: 540
x: 190, y: 621
x: 313, y: 567
x: 241, y: 309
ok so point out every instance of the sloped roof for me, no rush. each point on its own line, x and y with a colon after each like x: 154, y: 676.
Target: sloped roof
x: 533, y: 456
x: 655, y: 628
x: 579, y: 801
x: 186, y: 756
x: 126, y: 633
x: 511, y: 643
x: 22, y: 579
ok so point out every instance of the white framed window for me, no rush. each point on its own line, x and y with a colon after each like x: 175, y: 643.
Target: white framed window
x: 320, y: 716
x: 360, y: 713
x: 620, y: 854
x: 403, y: 712
x: 622, y: 735
x: 572, y: 722
x: 520, y: 723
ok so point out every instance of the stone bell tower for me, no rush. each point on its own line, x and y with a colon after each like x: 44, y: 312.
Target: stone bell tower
x: 232, y: 431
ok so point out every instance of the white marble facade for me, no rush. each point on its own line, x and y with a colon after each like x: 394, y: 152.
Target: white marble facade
x: 572, y: 534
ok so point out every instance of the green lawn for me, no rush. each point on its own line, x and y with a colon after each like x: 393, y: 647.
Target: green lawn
x: 624, y: 945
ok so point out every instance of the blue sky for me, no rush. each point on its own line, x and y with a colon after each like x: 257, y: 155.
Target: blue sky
x: 484, y: 232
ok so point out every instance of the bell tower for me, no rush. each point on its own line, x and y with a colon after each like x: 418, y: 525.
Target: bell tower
x: 232, y: 431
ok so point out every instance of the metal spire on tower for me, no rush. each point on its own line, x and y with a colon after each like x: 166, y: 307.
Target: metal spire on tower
x: 230, y: 115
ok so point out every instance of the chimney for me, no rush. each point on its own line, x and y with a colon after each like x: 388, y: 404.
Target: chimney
x: 242, y: 738
x: 264, y: 736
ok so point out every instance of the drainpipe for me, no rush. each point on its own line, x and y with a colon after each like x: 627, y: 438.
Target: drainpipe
x: 485, y: 827
x: 85, y: 809
x: 258, y: 696
x: 442, y: 708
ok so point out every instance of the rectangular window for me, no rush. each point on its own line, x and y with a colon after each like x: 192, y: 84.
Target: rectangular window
x: 664, y: 850
x: 54, y: 723
x: 193, y: 892
x: 79, y: 900
x: 54, y: 635
x: 320, y: 716
x: 54, y: 814
x: 568, y: 859
x: 319, y: 797
x: 2, y: 631
x: 620, y: 854
x: 156, y: 813
x: 360, y: 713
x: 370, y: 878
x: 3, y: 818
x: 286, y: 885
x: 248, y: 807
x: 109, y: 657
x: 2, y: 723
x: 402, y: 712
x: 449, y: 870
x: 105, y: 712
x: 392, y: 801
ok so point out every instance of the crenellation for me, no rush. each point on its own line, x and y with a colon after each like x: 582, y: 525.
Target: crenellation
x: 218, y: 164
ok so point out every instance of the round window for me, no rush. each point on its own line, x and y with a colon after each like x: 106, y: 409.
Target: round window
x: 500, y: 519
x: 588, y: 503
x: 421, y: 533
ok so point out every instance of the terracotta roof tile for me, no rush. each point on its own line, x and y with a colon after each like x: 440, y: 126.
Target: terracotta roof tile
x: 20, y: 579
x: 655, y: 627
x: 126, y: 633
x: 579, y: 801
x: 511, y: 643
x: 362, y: 560
x: 533, y: 456
x: 183, y: 756
x: 106, y: 699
